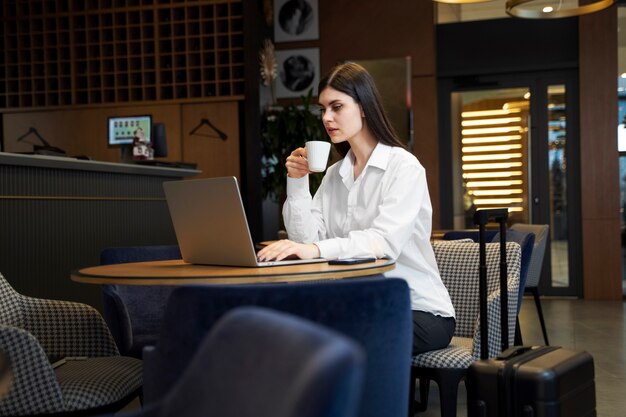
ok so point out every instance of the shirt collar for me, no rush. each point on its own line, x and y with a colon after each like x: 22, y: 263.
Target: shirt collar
x: 379, y: 158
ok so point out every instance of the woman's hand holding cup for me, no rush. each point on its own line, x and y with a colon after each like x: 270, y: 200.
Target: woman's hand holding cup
x: 312, y: 158
x: 297, y: 164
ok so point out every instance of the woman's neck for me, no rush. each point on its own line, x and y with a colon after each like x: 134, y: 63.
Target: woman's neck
x: 362, y: 147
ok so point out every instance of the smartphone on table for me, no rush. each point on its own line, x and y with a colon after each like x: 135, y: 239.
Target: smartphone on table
x: 351, y: 261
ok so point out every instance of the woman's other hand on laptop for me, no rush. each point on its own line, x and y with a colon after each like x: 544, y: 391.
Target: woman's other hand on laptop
x: 281, y: 249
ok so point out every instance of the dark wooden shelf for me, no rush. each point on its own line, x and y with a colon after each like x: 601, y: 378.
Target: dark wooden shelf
x: 71, y: 52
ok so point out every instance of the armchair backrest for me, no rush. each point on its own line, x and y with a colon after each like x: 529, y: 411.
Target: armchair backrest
x: 458, y: 264
x: 525, y: 238
x: 261, y: 362
x: 10, y: 305
x: 541, y: 232
x: 526, y: 241
x: 375, y: 312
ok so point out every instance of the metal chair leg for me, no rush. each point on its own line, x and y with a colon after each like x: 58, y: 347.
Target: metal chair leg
x: 535, y: 292
x: 518, y: 333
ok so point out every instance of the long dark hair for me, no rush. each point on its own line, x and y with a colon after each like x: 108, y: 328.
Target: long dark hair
x: 354, y: 80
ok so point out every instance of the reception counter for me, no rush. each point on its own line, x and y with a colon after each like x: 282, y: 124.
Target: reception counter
x: 57, y: 214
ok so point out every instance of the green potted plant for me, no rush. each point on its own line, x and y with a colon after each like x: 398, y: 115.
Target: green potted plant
x: 283, y: 129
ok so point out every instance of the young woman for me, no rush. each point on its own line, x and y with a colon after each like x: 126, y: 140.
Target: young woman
x: 372, y: 203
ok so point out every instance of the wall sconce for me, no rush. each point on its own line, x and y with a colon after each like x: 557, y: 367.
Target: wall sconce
x: 538, y: 9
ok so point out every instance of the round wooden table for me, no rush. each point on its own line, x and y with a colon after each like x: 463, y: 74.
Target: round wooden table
x: 178, y: 272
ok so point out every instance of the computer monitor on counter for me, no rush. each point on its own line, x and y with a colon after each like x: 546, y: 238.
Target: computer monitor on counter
x: 122, y: 131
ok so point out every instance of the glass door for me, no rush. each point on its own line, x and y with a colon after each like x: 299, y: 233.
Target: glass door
x: 511, y: 142
x: 557, y: 185
x: 490, y: 150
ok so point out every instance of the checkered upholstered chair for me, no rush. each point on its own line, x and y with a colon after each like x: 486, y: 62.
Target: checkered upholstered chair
x: 458, y: 263
x: 528, y: 242
x: 63, y: 358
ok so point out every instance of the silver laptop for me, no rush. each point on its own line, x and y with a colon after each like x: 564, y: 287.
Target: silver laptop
x: 210, y: 223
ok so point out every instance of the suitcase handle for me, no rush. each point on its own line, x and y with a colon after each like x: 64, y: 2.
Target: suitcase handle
x: 481, y: 217
x: 514, y: 351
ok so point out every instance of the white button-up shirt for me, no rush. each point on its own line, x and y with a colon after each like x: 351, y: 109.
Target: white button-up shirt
x: 385, y: 212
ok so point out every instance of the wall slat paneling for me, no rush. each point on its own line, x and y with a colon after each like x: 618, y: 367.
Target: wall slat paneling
x: 56, y: 220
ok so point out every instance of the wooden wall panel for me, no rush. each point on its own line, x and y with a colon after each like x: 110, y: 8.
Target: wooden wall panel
x: 601, y: 259
x: 215, y: 157
x: 426, y: 147
x: 375, y: 29
x: 84, y: 131
x: 599, y: 162
x: 598, y: 115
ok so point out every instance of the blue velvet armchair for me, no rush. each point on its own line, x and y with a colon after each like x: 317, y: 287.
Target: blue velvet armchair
x: 258, y: 362
x: 134, y: 313
x: 374, y: 311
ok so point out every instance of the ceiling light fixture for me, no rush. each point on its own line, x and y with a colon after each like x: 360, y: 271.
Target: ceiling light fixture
x: 461, y: 1
x: 531, y: 9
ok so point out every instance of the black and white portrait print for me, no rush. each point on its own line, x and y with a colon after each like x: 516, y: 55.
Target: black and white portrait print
x: 298, y: 71
x: 295, y: 20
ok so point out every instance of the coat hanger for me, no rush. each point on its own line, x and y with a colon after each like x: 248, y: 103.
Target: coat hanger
x: 45, y: 147
x: 206, y: 122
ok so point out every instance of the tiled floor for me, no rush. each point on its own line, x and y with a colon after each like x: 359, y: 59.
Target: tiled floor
x: 595, y: 326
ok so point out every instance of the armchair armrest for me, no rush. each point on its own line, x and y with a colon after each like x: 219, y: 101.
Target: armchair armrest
x: 117, y: 317
x: 34, y: 389
x: 66, y: 328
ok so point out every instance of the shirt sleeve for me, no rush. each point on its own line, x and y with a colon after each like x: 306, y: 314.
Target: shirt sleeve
x: 404, y: 212
x: 302, y: 214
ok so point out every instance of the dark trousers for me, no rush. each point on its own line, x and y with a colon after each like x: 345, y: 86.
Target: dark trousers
x: 431, y: 332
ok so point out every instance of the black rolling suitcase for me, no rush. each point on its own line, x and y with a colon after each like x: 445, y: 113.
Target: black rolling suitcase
x: 526, y: 381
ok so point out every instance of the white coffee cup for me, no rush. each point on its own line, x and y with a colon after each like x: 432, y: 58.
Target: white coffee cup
x: 317, y: 152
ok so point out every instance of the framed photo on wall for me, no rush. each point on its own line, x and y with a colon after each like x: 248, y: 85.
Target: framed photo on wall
x: 296, y: 20
x: 298, y: 71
